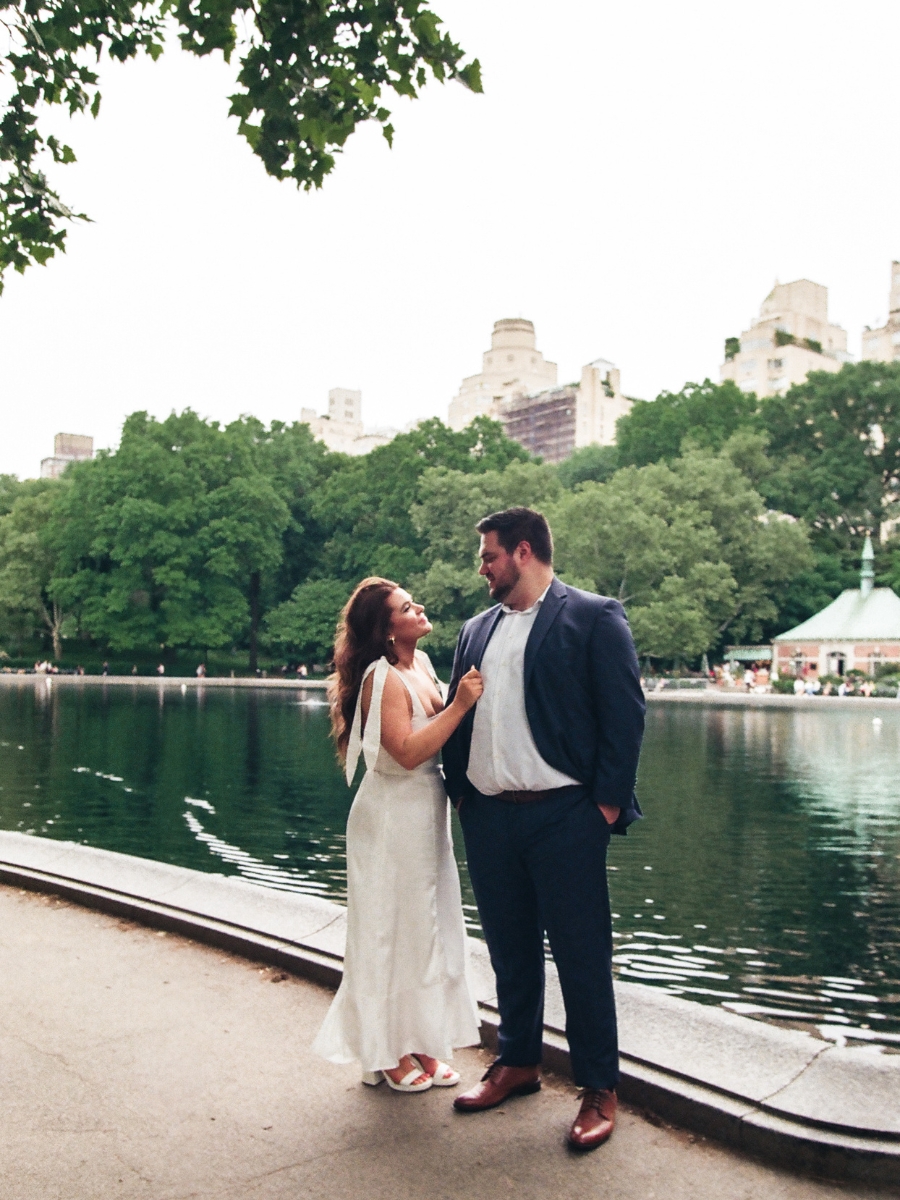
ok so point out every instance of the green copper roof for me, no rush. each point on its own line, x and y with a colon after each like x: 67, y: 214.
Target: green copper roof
x: 856, y: 616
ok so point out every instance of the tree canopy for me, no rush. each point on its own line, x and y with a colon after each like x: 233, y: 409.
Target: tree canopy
x: 689, y: 549
x: 834, y: 441
x: 366, y: 507
x: 194, y: 535
x: 172, y: 540
x: 310, y: 72
x: 707, y: 414
x: 27, y: 563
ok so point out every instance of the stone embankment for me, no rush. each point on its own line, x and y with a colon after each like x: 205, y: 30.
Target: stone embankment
x: 186, y: 682
x: 715, y: 697
x: 780, y: 1095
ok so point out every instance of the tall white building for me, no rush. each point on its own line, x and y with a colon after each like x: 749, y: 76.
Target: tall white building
x: 512, y: 367
x: 341, y: 428
x: 883, y: 345
x: 791, y: 337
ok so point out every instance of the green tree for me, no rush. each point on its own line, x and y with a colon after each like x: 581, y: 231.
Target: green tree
x: 689, y: 549
x: 707, y: 414
x: 834, y: 453
x: 449, y: 502
x: 10, y: 489
x: 166, y: 542
x: 595, y: 463
x: 305, y: 624
x: 310, y: 72
x: 366, y: 505
x: 28, y: 604
x: 835, y: 440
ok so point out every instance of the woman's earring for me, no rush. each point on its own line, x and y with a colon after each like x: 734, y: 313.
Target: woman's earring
x: 390, y: 641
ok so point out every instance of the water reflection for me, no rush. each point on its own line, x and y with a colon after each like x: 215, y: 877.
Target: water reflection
x: 765, y: 879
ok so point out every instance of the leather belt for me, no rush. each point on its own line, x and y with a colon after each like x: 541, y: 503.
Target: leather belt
x: 527, y: 797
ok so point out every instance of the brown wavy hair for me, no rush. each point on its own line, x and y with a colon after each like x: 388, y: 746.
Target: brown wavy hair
x: 361, y: 638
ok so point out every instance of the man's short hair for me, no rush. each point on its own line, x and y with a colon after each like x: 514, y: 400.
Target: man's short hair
x: 515, y: 525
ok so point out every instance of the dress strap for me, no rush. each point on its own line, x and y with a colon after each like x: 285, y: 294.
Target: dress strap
x: 370, y: 742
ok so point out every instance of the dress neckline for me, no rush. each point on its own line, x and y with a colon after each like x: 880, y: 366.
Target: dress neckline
x: 416, y: 698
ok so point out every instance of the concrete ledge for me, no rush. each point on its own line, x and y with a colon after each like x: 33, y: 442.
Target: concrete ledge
x: 713, y: 698
x: 778, y: 1094
x: 159, y: 681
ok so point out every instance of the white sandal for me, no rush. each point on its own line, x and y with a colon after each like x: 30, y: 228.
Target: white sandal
x: 406, y: 1083
x: 373, y: 1078
x: 444, y: 1075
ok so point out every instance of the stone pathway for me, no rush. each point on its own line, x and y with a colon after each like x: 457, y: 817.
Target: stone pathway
x: 139, y: 1064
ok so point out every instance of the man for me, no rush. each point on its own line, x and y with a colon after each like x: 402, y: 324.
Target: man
x: 541, y: 772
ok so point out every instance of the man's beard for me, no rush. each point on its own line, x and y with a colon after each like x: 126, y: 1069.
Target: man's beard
x: 502, y: 590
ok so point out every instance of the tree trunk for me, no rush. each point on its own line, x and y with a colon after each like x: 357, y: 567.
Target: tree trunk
x: 254, y: 619
x: 53, y: 619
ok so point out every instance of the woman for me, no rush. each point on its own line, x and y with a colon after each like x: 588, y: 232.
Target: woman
x: 404, y: 1003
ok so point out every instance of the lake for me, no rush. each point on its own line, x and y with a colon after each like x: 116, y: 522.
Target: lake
x: 765, y: 878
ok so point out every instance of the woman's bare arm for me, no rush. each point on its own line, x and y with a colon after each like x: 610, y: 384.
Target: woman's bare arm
x: 410, y: 749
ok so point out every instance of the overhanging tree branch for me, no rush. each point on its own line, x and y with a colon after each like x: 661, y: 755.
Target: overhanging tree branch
x: 310, y: 72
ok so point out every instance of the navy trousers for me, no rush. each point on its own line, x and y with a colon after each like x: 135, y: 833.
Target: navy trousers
x: 537, y: 868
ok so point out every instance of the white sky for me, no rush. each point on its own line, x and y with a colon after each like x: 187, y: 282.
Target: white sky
x: 633, y: 180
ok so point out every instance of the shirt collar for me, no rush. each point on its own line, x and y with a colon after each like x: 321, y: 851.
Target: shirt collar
x: 524, y: 612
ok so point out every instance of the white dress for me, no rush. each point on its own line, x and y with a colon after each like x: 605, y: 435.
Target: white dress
x: 404, y: 988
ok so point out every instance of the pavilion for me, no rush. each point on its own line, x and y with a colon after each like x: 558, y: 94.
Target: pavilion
x: 857, y: 631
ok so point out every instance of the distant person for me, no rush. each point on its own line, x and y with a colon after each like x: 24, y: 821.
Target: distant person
x: 105, y: 669
x: 201, y: 671
x: 161, y: 669
x: 799, y: 686
x: 79, y: 670
x: 134, y: 670
x: 404, y: 1003
x: 842, y: 688
x: 749, y: 679
x: 302, y: 671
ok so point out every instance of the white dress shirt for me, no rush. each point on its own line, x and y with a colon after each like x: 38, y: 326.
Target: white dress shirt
x: 503, y: 756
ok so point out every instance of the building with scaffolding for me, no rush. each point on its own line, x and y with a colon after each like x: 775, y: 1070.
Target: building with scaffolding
x: 555, y: 422
x: 67, y: 448
x: 517, y: 387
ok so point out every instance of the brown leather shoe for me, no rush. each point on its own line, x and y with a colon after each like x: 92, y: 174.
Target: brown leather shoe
x: 497, y: 1084
x: 596, y: 1119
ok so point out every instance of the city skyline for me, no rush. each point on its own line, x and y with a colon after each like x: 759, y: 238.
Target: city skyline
x: 595, y: 189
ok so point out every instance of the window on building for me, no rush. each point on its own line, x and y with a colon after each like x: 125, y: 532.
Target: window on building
x: 775, y: 364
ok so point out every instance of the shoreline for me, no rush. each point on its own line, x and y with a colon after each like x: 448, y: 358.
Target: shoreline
x: 780, y: 1095
x: 159, y: 681
x: 713, y: 698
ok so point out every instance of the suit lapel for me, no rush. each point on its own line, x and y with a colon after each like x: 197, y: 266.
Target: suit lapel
x: 480, y: 637
x: 547, y: 614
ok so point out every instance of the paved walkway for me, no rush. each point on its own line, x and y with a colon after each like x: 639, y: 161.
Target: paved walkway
x: 139, y: 1064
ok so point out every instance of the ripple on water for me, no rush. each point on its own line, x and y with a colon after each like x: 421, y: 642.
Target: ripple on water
x: 766, y: 878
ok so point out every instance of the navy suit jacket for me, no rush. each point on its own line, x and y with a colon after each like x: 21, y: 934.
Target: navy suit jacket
x: 583, y: 696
